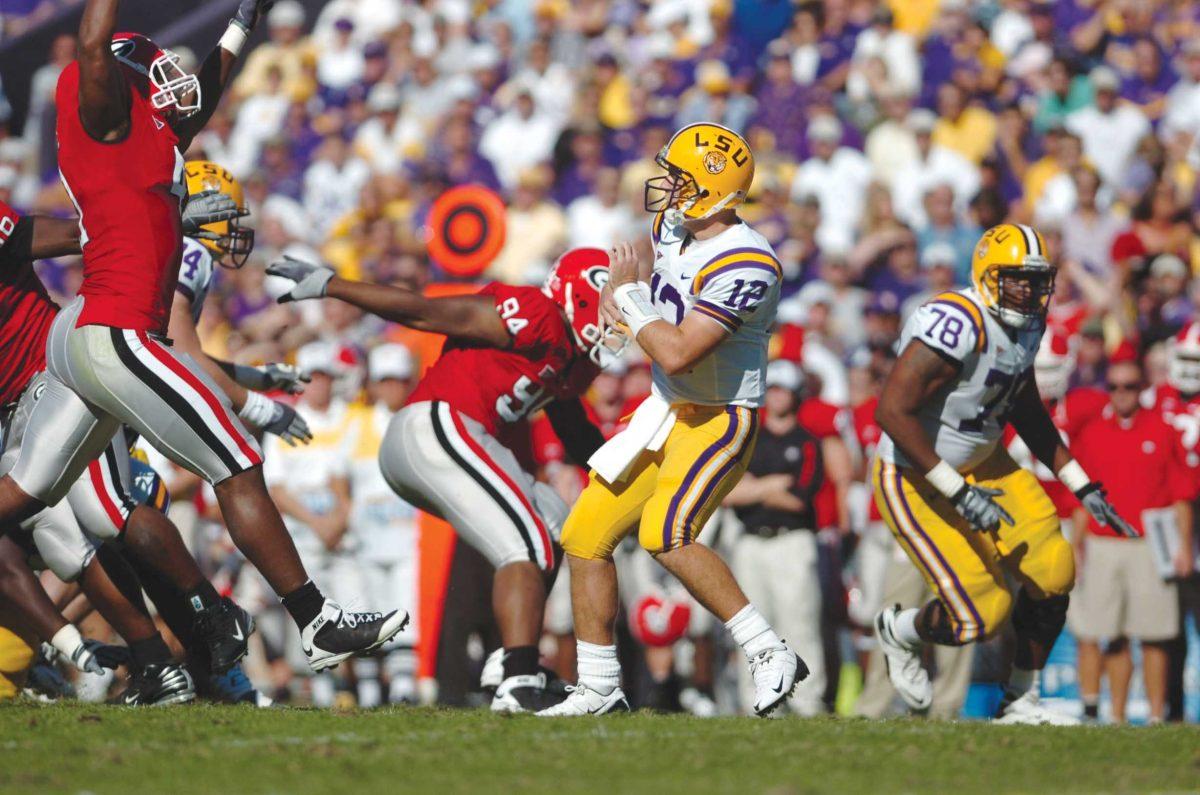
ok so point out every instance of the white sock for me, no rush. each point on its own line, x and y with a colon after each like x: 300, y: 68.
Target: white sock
x: 904, y: 628
x: 752, y: 632
x: 598, y: 667
x: 1021, y: 682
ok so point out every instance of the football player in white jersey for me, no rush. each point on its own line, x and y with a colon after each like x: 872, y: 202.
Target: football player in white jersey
x: 703, y: 314
x: 968, y: 516
x: 229, y: 243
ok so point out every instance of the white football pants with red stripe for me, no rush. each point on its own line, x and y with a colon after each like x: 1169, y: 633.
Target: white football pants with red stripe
x: 101, y: 377
x: 449, y: 465
x: 98, y: 501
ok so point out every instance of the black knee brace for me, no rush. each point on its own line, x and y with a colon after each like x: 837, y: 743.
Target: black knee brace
x: 934, y: 624
x: 1040, y: 620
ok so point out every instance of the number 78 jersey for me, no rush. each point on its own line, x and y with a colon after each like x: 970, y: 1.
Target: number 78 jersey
x: 966, y: 420
x: 731, y: 279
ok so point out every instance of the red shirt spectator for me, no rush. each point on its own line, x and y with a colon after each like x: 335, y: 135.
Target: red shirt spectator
x: 1140, y: 461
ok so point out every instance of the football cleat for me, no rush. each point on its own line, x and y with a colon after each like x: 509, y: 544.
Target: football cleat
x: 493, y: 674
x: 234, y: 687
x: 158, y: 684
x: 903, y: 663
x: 527, y: 693
x: 1029, y: 710
x: 336, y: 635
x: 776, y: 672
x: 225, y: 629
x: 582, y: 700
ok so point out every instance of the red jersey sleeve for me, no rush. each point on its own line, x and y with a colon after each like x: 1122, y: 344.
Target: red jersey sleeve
x: 819, y: 418
x: 1185, y: 485
x: 532, y: 319
x: 9, y: 218
x: 1081, y: 406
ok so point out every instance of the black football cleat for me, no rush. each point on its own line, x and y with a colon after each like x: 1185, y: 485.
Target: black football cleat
x: 224, y: 629
x: 158, y: 684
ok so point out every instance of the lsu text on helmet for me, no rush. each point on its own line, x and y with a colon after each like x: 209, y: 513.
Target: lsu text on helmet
x: 230, y: 242
x: 170, y: 87
x: 1012, y: 275
x: 709, y: 169
x: 574, y: 283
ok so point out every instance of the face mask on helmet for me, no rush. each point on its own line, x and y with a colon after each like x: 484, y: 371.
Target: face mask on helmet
x: 675, y: 191
x: 174, y: 89
x: 1183, y: 368
x: 1021, y: 295
x: 575, y: 286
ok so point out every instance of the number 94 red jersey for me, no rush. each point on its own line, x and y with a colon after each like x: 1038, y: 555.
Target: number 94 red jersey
x: 496, y: 386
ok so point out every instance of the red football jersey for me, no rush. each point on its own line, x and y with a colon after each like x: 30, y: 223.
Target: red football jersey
x: 497, y: 387
x: 127, y: 193
x: 822, y: 420
x: 1070, y: 415
x: 868, y: 432
x: 1183, y: 414
x: 26, y: 312
x: 1139, y: 461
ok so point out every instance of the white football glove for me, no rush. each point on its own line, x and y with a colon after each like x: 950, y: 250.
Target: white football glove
x: 978, y: 506
x: 311, y: 280
x: 207, y: 207
x: 1095, y: 500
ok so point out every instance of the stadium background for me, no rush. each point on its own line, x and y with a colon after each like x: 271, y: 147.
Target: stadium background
x: 833, y: 95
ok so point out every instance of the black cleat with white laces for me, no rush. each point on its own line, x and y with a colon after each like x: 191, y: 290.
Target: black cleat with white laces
x: 336, y: 634
x: 158, y: 684
x: 225, y: 629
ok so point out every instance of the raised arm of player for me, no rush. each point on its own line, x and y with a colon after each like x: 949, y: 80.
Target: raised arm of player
x: 464, y: 317
x: 917, y: 376
x: 579, y: 435
x: 217, y: 69
x: 676, y: 349
x: 103, y: 92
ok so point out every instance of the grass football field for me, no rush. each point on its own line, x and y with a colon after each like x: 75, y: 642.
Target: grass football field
x: 207, y: 749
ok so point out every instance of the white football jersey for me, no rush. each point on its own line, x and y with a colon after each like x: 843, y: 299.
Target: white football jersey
x: 967, y: 419
x: 732, y: 279
x: 385, y: 524
x: 195, y: 275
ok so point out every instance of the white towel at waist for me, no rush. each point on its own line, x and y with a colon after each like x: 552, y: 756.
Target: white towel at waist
x: 648, y: 429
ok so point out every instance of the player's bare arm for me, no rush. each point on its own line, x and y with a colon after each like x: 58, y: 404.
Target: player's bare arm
x: 217, y: 69
x: 676, y: 349
x: 464, y: 317
x: 103, y: 92
x: 919, y: 374
x: 54, y: 237
x: 579, y: 435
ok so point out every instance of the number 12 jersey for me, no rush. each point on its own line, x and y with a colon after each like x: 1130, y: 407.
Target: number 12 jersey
x: 966, y: 419
x: 731, y: 279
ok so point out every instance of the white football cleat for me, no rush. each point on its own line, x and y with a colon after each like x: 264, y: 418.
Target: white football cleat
x: 1028, y: 710
x: 527, y: 693
x: 903, y: 663
x: 493, y: 670
x: 336, y: 635
x: 582, y: 700
x: 776, y: 672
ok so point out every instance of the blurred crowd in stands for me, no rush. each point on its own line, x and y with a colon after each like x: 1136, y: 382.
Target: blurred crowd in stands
x: 888, y: 135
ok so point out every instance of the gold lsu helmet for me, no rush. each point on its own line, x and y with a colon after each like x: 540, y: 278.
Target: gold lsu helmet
x: 1011, y: 273
x: 230, y: 242
x: 709, y: 169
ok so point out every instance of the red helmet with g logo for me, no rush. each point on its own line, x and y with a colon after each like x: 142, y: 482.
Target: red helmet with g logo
x: 170, y: 86
x: 575, y: 283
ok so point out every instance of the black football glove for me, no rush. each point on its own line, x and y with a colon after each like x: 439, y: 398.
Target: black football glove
x: 311, y: 280
x: 249, y: 12
x: 1095, y: 500
x: 978, y: 506
x: 288, y: 425
x: 207, y: 207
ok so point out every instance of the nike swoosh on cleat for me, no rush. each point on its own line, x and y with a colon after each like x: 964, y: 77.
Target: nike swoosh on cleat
x: 237, y: 631
x: 779, y: 687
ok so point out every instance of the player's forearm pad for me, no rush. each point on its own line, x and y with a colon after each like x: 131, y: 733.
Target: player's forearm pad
x: 1073, y: 477
x: 945, y: 479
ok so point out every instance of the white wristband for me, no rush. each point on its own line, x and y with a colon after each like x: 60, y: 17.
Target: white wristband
x: 67, y: 640
x: 1073, y: 477
x: 945, y: 479
x: 233, y: 39
x: 258, y: 409
x: 633, y: 298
